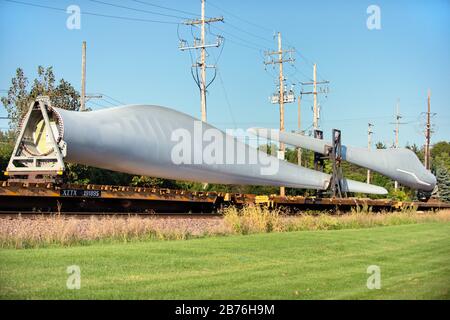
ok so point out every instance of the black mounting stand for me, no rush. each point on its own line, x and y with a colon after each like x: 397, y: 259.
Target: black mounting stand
x: 318, y: 159
x: 335, y: 155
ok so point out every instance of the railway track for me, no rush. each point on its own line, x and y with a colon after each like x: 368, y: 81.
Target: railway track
x: 87, y: 215
x: 86, y: 200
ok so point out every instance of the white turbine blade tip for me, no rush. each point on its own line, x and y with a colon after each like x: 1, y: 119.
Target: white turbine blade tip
x: 361, y: 187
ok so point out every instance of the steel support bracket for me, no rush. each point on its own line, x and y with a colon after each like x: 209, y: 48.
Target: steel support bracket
x: 27, y: 164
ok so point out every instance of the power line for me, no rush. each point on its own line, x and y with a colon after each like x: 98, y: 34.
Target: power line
x: 111, y: 98
x: 137, y: 10
x: 245, y: 42
x: 235, y: 41
x: 301, y: 72
x: 108, y: 102
x: 91, y: 13
x: 240, y: 29
x: 98, y: 105
x: 307, y: 60
x: 259, y: 37
x: 239, y: 18
x: 249, y: 33
x: 166, y: 8
x: 244, y: 45
x: 240, y: 38
x: 227, y: 100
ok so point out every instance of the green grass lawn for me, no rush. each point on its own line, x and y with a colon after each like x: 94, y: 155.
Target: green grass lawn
x: 414, y: 262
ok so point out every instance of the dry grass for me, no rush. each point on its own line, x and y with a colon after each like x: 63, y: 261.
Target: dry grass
x: 60, y: 230
x: 26, y: 232
x: 260, y: 219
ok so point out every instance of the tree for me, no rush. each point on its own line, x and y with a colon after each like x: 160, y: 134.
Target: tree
x: 16, y: 103
x: 65, y: 96
x: 19, y: 98
x: 267, y: 148
x: 81, y: 174
x: 380, y: 145
x: 44, y: 84
x: 150, y: 182
x: 439, y: 148
x: 6, y: 148
x: 417, y: 150
x: 440, y: 155
x: 443, y: 181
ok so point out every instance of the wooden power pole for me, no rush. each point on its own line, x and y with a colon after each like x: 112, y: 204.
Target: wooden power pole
x: 428, y: 135
x: 83, y: 96
x: 202, y: 46
x: 281, y: 98
x: 281, y: 102
x: 397, y: 132
x: 316, y: 114
x: 314, y: 83
x: 83, y: 78
x: 203, y: 65
x: 369, y: 145
x: 299, y: 118
x: 397, y: 124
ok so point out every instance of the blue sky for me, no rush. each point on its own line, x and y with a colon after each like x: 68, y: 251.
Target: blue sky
x: 139, y: 62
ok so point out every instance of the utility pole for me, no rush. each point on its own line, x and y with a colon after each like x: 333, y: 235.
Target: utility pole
x: 318, y: 134
x: 428, y: 135
x: 203, y: 65
x: 281, y: 98
x: 314, y: 83
x: 83, y: 78
x: 315, y: 113
x: 397, y: 124
x: 369, y: 145
x: 299, y: 118
x: 281, y: 102
x: 397, y: 131
x: 83, y: 96
x: 202, y: 45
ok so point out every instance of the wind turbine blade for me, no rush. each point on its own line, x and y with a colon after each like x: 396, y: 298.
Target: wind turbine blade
x: 399, y: 164
x: 161, y: 142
